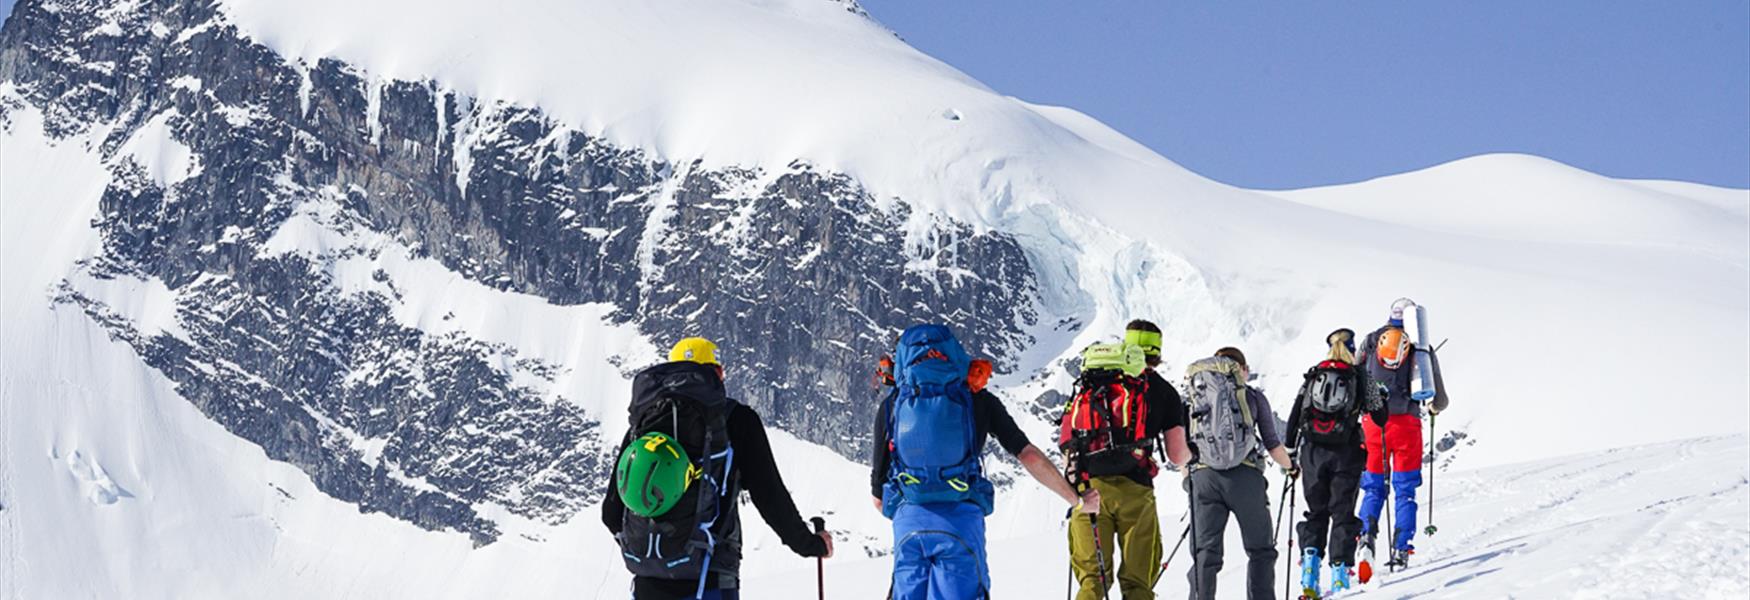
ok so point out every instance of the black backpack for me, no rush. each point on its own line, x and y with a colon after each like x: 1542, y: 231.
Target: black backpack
x: 1331, y: 404
x: 686, y: 401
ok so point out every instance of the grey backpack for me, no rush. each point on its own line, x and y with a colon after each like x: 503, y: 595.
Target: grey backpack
x: 1221, y: 423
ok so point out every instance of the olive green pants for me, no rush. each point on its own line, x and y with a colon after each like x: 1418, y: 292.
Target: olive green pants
x: 1128, y: 523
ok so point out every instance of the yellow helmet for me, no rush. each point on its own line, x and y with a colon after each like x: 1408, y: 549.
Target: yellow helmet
x: 694, y: 349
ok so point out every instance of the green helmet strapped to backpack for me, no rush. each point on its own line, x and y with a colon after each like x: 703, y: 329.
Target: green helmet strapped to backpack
x: 1114, y: 357
x: 652, y: 474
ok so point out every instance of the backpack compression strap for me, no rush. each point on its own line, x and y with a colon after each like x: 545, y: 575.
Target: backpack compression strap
x: 1228, y: 368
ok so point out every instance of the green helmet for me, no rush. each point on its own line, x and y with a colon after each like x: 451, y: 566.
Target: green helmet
x: 652, y: 474
x: 1114, y: 357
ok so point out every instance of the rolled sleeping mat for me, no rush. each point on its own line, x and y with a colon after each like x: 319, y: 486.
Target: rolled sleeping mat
x: 1424, y: 358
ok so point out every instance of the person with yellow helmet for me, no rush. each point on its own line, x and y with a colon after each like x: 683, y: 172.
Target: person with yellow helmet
x: 689, y: 453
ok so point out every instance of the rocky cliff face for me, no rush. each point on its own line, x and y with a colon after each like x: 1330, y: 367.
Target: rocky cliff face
x: 800, y: 275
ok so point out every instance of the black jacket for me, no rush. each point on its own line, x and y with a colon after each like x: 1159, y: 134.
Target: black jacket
x: 757, y: 472
x: 1166, y: 410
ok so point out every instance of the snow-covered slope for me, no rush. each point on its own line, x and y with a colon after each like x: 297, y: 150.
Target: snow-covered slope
x: 1661, y: 521
x: 460, y: 174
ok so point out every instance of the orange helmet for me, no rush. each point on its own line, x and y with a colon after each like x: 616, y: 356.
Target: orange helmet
x: 978, y: 374
x: 1393, y: 348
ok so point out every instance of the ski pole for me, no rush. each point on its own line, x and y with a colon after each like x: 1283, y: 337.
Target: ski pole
x: 1281, y: 503
x: 1288, y: 566
x: 1391, y: 496
x: 1081, y: 486
x: 1069, y: 574
x: 1175, y: 552
x: 819, y: 562
x: 1099, y: 554
x: 1434, y: 466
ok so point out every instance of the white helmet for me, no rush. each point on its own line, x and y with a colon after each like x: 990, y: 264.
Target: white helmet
x: 1399, y: 306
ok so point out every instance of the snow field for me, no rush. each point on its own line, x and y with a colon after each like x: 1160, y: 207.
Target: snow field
x: 1669, y: 520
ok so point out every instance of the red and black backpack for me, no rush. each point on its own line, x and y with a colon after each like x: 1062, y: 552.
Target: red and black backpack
x: 1104, y: 428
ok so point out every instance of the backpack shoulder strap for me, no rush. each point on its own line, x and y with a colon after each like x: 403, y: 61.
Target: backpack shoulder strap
x: 891, y: 403
x: 1245, y: 407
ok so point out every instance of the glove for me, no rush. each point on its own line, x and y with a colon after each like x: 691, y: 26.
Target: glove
x: 1291, y: 472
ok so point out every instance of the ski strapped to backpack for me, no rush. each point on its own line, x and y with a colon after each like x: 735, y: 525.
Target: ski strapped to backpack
x: 1103, y: 429
x: 682, y: 403
x: 1221, y: 425
x: 932, y: 425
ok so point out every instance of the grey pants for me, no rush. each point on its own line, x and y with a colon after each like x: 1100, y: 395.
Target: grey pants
x: 1242, y: 492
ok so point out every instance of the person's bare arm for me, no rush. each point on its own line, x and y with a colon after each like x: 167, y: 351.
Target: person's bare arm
x: 1280, y: 455
x: 1041, y: 469
x: 1177, y: 450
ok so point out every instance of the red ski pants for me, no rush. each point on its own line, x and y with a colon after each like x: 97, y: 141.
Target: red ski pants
x: 1402, y: 440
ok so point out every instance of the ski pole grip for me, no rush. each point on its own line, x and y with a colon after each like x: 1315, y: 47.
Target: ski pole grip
x: 819, y: 524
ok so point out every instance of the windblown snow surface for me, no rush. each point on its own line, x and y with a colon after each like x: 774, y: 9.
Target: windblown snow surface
x: 1585, y: 313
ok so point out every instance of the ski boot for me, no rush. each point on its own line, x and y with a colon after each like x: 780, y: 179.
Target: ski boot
x: 1400, y: 559
x: 1339, y: 579
x: 1309, y: 574
x: 1364, y: 567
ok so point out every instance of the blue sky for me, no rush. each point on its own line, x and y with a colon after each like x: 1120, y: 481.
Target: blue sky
x: 1292, y: 94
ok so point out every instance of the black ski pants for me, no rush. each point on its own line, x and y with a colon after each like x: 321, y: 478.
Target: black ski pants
x: 1330, y: 478
x: 1242, y: 492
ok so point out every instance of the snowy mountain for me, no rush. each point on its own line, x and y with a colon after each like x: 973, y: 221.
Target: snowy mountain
x: 340, y: 298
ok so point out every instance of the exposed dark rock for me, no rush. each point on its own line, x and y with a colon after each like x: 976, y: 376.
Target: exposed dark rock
x: 801, y: 276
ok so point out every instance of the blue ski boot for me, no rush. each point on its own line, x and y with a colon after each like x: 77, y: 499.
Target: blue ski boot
x: 1339, y: 579
x: 1309, y: 574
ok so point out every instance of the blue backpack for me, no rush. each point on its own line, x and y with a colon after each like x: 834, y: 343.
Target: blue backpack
x: 931, y: 427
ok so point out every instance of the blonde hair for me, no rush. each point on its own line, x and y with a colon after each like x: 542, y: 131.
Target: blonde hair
x: 1339, y: 341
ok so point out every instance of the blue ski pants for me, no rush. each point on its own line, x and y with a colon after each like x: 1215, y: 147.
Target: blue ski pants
x: 938, y: 552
